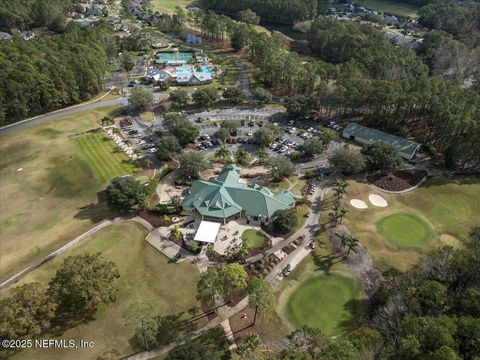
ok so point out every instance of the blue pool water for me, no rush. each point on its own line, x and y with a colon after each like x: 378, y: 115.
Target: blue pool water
x: 205, y: 69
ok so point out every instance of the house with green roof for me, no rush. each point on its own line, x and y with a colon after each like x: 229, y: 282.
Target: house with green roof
x: 365, y: 135
x: 225, y: 198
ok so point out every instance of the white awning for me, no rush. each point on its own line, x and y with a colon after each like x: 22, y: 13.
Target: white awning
x: 207, y: 232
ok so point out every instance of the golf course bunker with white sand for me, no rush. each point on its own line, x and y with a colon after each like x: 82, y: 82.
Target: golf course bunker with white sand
x: 358, y: 204
x: 377, y: 200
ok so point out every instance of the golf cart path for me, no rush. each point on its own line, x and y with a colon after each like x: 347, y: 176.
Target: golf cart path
x: 226, y: 312
x: 41, y: 119
x: 13, y: 279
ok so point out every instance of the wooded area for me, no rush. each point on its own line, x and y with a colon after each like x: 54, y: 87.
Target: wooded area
x: 24, y: 14
x: 360, y: 74
x: 50, y: 73
x: 278, y: 11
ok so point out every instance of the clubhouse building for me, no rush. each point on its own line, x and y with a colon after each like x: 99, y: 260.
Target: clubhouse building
x: 226, y: 198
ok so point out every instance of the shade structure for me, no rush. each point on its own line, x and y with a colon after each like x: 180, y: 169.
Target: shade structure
x: 207, y: 232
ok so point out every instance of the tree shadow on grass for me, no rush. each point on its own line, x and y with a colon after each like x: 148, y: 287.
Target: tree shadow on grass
x: 354, y: 308
x: 96, y: 212
x: 325, y: 263
x: 66, y: 320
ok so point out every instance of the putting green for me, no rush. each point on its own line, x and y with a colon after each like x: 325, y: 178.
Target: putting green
x: 332, y: 303
x: 253, y: 238
x: 405, y: 229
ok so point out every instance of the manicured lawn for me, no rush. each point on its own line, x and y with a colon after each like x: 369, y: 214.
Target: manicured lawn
x: 54, y: 198
x: 147, y: 116
x: 253, y: 238
x: 145, y: 275
x: 168, y: 6
x: 143, y: 179
x: 332, y: 303
x: 449, y: 207
x: 404, y: 229
x: 103, y: 156
x: 392, y: 7
x: 302, y: 210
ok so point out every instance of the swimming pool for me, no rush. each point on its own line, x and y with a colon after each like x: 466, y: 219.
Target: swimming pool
x: 205, y: 69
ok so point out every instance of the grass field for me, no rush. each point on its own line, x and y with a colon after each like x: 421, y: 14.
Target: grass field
x: 320, y: 294
x: 405, y: 229
x: 103, y: 156
x: 253, y: 238
x: 56, y: 195
x: 168, y: 6
x: 391, y: 7
x: 302, y: 210
x: 147, y: 116
x: 448, y: 206
x: 327, y: 302
x: 145, y: 275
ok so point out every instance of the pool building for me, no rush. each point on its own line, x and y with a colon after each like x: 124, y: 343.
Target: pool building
x: 176, y: 67
x: 226, y: 198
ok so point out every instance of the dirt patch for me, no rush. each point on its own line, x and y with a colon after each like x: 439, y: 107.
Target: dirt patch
x: 153, y: 218
x: 359, y: 261
x: 399, y: 180
x: 269, y: 330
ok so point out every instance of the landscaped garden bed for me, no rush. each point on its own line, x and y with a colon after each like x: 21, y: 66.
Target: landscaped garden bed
x: 399, y: 180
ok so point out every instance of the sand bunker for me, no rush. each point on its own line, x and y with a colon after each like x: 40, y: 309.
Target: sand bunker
x: 377, y: 200
x: 359, y: 204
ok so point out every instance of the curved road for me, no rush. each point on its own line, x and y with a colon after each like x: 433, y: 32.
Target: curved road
x: 41, y: 119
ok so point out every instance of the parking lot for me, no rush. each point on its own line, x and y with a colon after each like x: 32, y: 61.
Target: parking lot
x: 291, y: 139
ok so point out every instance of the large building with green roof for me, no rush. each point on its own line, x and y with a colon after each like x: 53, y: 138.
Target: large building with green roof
x: 365, y: 135
x: 226, y: 198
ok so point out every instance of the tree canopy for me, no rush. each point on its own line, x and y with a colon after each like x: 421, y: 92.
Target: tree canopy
x: 349, y: 162
x: 281, y: 167
x: 381, y: 156
x: 50, y: 73
x: 140, y: 99
x: 192, y: 163
x: 124, y: 192
x: 285, y: 220
x: 27, y: 311
x: 167, y: 146
x: 83, y: 282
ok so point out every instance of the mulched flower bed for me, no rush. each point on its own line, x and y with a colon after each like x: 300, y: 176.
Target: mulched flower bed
x: 398, y: 180
x: 153, y: 218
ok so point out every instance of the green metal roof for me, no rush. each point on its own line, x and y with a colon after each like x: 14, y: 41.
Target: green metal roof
x: 226, y: 196
x: 404, y: 146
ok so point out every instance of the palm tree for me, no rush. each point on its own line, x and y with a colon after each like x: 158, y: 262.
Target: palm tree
x: 340, y: 212
x: 262, y: 155
x: 340, y: 187
x: 222, y: 152
x: 242, y: 157
x: 148, y: 163
x: 350, y: 241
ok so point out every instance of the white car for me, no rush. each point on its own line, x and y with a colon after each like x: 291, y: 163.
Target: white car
x: 249, y: 133
x: 152, y: 150
x: 273, y: 146
x: 310, y: 129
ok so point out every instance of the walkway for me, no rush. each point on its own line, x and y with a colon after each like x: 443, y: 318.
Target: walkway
x: 41, y: 119
x: 224, y: 314
x: 70, y: 244
x: 308, y: 230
